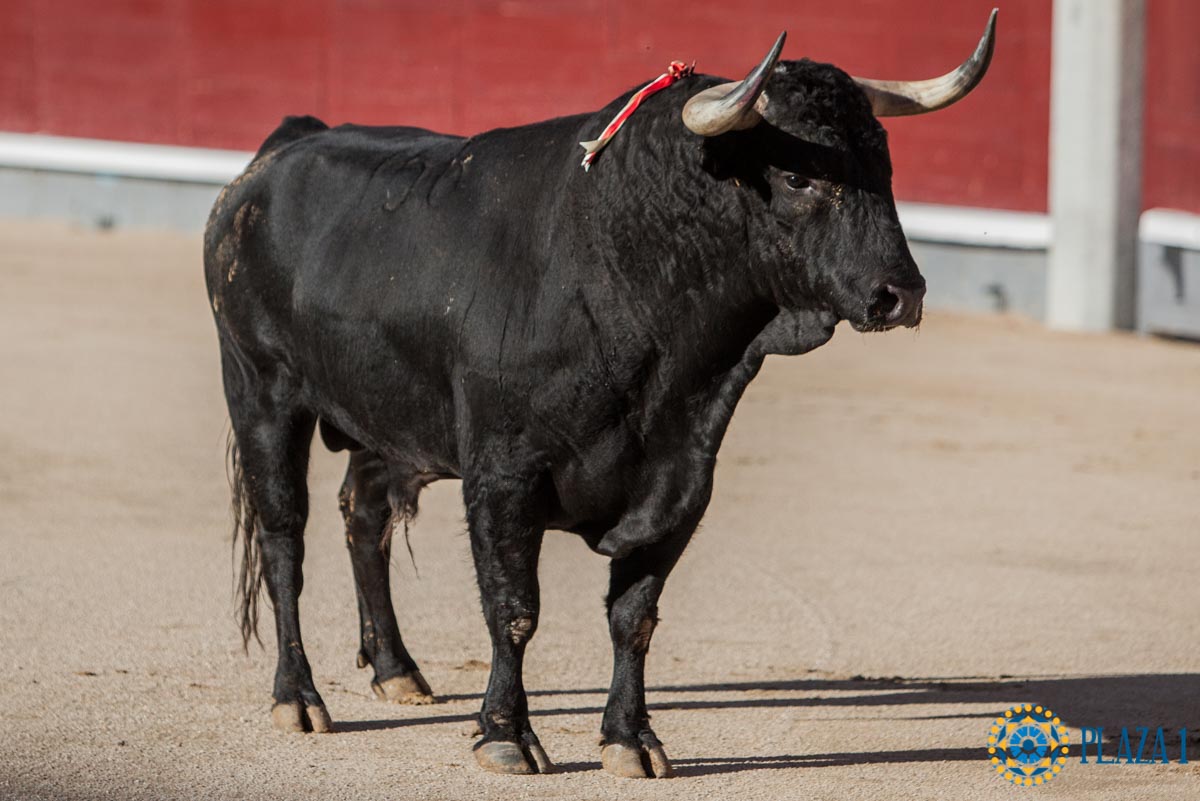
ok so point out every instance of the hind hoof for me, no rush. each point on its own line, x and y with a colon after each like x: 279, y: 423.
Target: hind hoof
x: 513, y: 759
x: 636, y: 763
x: 410, y: 688
x: 295, y: 718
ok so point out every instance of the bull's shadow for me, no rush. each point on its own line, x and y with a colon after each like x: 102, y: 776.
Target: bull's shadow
x: 1111, y: 701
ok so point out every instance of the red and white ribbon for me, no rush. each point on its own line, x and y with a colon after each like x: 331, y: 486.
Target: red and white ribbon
x: 675, y: 71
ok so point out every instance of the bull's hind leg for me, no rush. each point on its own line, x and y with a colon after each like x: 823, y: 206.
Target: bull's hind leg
x: 272, y: 437
x: 630, y: 747
x: 367, y: 511
x: 506, y: 540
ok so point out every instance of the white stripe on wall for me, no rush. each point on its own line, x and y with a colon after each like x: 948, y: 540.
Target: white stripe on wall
x: 126, y: 159
x: 925, y: 222
x: 1170, y: 228
x: 960, y: 225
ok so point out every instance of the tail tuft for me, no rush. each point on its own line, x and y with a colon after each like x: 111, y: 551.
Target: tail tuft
x: 403, y: 500
x: 248, y: 575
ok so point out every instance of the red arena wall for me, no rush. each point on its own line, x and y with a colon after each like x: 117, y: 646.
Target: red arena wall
x: 221, y: 73
x: 1171, y: 177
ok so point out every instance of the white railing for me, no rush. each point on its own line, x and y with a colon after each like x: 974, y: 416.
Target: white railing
x: 925, y: 222
x: 126, y: 159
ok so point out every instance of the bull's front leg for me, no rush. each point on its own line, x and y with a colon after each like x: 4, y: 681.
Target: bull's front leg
x: 630, y: 747
x: 506, y: 539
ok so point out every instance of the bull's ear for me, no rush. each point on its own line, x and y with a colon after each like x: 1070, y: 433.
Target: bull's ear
x: 733, y: 106
x: 902, y: 98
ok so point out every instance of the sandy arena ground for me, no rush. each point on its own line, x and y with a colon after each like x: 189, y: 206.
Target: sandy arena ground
x: 979, y: 514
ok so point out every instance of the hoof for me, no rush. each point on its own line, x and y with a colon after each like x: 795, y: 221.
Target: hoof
x: 294, y: 718
x: 636, y: 763
x: 511, y: 758
x: 408, y: 689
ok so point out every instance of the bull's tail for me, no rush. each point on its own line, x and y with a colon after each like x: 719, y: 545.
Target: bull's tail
x: 248, y: 574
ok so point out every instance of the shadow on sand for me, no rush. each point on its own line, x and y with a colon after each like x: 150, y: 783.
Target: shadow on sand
x: 1111, y: 701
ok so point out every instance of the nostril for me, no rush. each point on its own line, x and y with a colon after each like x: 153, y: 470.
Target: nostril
x: 884, y: 303
x: 907, y: 304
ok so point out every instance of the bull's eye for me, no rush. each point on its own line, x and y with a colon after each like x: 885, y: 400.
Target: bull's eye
x: 796, y: 182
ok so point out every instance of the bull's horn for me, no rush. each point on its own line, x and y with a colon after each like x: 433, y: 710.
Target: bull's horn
x: 732, y: 106
x: 901, y: 98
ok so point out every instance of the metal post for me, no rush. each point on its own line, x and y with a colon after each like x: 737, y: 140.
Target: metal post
x: 1095, y: 162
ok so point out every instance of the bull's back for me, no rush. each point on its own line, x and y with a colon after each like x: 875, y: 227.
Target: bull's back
x: 389, y: 219
x: 306, y: 183
x: 375, y: 263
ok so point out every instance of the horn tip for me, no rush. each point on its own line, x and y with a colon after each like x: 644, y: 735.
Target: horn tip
x: 988, y: 40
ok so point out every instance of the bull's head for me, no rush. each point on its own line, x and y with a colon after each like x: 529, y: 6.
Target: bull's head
x: 805, y: 138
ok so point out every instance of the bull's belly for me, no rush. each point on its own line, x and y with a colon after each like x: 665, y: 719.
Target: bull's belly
x: 418, y: 418
x: 402, y: 419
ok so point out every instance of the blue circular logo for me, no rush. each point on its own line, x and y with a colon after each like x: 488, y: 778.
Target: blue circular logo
x: 1027, y: 745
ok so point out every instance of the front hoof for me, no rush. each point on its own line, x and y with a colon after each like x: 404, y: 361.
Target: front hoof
x: 630, y: 762
x: 293, y: 717
x: 410, y: 688
x: 505, y: 757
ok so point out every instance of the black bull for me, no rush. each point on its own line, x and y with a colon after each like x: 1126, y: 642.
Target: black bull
x: 570, y: 344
